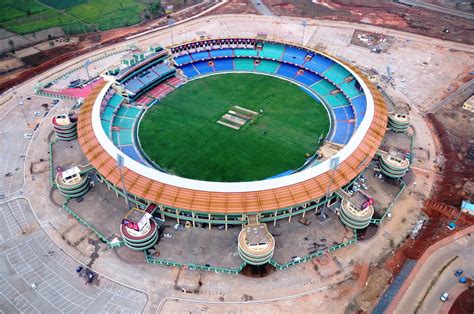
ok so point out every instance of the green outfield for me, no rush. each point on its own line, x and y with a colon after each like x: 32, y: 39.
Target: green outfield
x: 180, y: 133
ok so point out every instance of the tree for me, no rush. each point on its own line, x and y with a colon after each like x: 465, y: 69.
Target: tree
x: 12, y: 44
x: 155, y: 9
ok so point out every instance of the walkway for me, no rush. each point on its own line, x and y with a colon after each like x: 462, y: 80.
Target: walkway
x: 261, y: 7
x: 394, y: 287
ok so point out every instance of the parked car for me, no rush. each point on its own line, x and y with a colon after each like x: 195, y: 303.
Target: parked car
x: 79, y: 269
x: 444, y: 297
x: 462, y: 280
x: 90, y: 276
x: 452, y: 225
x: 458, y: 272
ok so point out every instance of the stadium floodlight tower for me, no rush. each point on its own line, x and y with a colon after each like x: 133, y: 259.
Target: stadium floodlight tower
x: 21, y: 104
x: 171, y: 22
x: 120, y: 163
x: 86, y: 67
x: 304, y: 23
x: 333, y: 163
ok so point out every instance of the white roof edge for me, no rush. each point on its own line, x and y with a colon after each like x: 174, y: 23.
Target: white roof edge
x: 248, y: 186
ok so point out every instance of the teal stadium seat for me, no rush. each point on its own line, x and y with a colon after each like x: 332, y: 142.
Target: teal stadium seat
x: 272, y: 51
x: 336, y: 74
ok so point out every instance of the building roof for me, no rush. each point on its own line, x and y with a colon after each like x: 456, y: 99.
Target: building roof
x: 467, y: 205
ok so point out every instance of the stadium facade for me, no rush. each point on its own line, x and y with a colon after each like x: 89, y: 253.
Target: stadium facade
x: 108, y: 123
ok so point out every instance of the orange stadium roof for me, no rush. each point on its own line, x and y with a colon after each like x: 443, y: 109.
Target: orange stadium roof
x: 233, y: 202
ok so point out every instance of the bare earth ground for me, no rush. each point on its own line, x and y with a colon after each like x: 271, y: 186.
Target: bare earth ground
x: 407, y: 88
x: 382, y: 13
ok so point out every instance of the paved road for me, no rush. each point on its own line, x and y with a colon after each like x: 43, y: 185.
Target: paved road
x: 459, y: 96
x: 447, y: 282
x: 261, y: 7
x: 437, y: 8
x: 435, y: 276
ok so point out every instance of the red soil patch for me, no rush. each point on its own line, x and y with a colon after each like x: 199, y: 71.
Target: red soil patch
x: 464, y: 304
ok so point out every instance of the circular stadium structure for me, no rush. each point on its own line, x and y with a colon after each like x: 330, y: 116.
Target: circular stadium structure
x: 109, y: 119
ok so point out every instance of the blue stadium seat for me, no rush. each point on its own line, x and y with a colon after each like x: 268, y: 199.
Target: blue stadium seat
x: 319, y: 64
x: 340, y: 132
x: 360, y: 104
x: 134, y: 85
x: 115, y: 101
x: 161, y: 69
x: 148, y: 77
x: 131, y: 152
x: 202, y: 55
x: 308, y: 78
x: 287, y: 70
x: 224, y: 64
x: 184, y: 59
x: 219, y: 53
x: 349, y: 112
x: 350, y: 131
x: 340, y: 114
x: 294, y: 55
x: 203, y: 67
x: 189, y: 70
x: 336, y: 74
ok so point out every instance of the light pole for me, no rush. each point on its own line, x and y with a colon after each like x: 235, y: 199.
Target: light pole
x: 86, y: 66
x: 333, y: 163
x: 171, y: 22
x: 21, y: 104
x: 119, y: 164
x: 304, y: 23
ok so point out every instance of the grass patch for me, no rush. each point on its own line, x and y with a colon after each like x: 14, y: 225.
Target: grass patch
x: 11, y: 9
x: 27, y: 16
x: 62, y: 4
x: 37, y: 22
x: 107, y: 14
x: 181, y: 135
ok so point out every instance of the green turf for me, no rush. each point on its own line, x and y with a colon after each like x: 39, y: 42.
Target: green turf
x: 74, y: 16
x: 107, y: 14
x: 181, y: 135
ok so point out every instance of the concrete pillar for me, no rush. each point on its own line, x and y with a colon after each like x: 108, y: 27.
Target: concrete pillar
x: 275, y: 219
x: 194, y: 223
x: 209, y: 218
